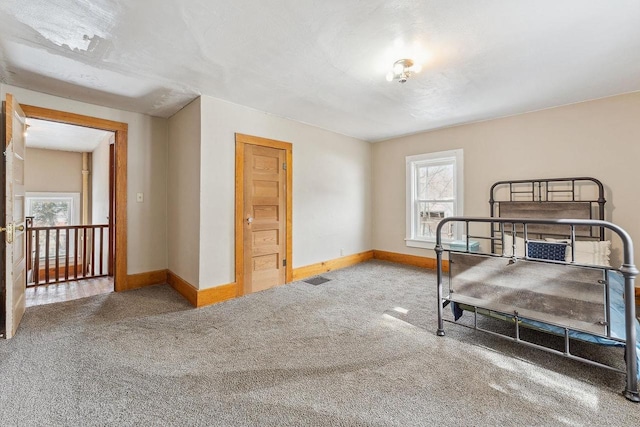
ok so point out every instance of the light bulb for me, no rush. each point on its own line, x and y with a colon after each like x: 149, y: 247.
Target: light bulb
x: 390, y: 76
x: 398, y: 68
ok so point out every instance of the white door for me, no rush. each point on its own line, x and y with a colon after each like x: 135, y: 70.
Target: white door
x: 15, y: 279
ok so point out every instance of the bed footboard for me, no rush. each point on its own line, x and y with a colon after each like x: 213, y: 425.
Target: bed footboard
x: 571, y: 299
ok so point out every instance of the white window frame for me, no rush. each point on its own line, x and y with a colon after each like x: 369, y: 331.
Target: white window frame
x: 73, y: 196
x: 455, y: 157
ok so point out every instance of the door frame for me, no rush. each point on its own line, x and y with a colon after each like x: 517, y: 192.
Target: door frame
x: 119, y: 219
x: 241, y: 141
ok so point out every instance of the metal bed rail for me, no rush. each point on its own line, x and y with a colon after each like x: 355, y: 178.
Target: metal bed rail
x: 628, y: 271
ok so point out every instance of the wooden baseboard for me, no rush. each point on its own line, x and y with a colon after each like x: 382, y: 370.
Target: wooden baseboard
x: 218, y: 294
x: 414, y: 260
x: 149, y: 278
x: 201, y: 297
x: 334, y: 264
x: 184, y: 288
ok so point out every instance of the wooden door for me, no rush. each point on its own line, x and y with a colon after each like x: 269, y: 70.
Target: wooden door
x: 265, y: 210
x: 14, y: 266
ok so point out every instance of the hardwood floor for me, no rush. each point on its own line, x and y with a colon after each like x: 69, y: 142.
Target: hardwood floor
x: 48, y: 294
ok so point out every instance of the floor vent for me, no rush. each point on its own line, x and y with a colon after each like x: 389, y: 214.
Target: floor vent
x: 318, y: 280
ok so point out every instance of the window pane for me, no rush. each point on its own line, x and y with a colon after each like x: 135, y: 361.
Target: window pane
x: 429, y: 216
x: 50, y: 212
x: 422, y: 182
x: 435, y: 182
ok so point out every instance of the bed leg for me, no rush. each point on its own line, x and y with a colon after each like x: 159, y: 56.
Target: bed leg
x: 629, y: 271
x: 439, y: 250
x: 633, y: 397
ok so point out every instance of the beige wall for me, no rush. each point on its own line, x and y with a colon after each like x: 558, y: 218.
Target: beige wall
x: 331, y: 188
x: 598, y: 138
x: 146, y: 172
x: 183, y: 186
x: 99, y: 179
x: 52, y: 170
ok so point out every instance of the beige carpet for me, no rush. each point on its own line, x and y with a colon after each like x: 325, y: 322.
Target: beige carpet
x: 360, y: 349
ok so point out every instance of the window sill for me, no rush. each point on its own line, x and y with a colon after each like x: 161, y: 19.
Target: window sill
x: 425, y: 243
x: 460, y: 244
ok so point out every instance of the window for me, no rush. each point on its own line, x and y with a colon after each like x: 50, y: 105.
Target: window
x: 434, y: 192
x: 53, y: 210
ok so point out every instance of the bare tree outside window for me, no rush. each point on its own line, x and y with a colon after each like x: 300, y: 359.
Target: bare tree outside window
x: 435, y: 199
x: 50, y: 213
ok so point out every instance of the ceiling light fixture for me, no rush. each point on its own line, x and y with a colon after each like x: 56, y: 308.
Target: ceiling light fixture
x: 402, y: 70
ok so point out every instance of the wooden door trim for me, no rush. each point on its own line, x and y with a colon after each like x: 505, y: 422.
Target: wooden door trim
x: 241, y: 140
x: 121, y: 141
x: 72, y: 118
x: 112, y: 204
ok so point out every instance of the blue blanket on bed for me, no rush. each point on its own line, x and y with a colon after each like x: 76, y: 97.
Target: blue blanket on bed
x: 616, y: 286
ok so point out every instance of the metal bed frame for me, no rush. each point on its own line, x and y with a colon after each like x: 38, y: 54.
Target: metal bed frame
x: 628, y: 271
x: 545, y: 190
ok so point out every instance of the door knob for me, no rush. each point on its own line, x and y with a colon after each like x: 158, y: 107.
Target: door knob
x: 249, y: 220
x: 20, y: 228
x: 9, y: 237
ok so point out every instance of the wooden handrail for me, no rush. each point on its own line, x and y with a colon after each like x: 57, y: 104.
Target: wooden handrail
x: 69, y: 227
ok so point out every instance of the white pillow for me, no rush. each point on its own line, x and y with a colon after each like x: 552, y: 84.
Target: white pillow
x: 589, y: 252
x: 508, y: 245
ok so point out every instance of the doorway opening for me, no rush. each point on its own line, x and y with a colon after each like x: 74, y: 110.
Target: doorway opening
x: 111, y: 205
x: 68, y: 205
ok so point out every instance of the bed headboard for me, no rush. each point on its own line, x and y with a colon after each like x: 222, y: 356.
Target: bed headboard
x: 550, y: 198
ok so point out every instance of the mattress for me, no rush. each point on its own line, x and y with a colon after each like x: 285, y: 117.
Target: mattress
x: 617, y: 318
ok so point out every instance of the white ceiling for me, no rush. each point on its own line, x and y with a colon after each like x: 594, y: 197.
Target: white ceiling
x: 59, y: 136
x: 324, y: 62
